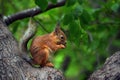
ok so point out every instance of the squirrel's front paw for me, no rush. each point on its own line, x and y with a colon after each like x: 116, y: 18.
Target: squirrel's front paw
x: 49, y: 64
x: 62, y: 46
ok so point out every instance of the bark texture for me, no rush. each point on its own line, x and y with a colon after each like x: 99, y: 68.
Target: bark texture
x: 110, y: 70
x: 13, y: 67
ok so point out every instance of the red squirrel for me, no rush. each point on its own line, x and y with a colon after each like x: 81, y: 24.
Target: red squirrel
x: 43, y: 46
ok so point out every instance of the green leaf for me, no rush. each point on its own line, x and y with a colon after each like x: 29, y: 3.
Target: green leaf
x: 54, y: 1
x: 70, y: 2
x: 74, y: 32
x: 115, y: 7
x: 85, y: 17
x: 77, y: 11
x: 42, y: 4
x: 80, y: 1
x: 68, y: 18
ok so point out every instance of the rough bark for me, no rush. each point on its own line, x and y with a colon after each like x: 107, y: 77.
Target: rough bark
x: 13, y: 67
x: 110, y: 70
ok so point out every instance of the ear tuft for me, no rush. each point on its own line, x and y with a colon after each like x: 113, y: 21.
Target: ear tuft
x: 57, y: 28
x: 58, y: 24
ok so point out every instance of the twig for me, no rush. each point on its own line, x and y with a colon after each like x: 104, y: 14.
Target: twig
x: 31, y: 12
x: 39, y: 22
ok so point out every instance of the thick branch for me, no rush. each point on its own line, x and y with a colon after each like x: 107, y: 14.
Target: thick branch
x: 31, y: 12
x: 110, y: 70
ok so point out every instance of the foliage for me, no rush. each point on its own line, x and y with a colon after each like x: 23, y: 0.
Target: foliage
x: 91, y: 28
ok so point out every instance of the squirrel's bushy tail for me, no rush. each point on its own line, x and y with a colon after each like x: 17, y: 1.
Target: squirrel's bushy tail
x: 29, y: 33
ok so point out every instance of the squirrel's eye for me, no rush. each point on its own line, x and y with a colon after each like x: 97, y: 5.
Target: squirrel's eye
x: 61, y: 36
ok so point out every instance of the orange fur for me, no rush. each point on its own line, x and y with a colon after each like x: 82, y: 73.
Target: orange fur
x: 43, y: 46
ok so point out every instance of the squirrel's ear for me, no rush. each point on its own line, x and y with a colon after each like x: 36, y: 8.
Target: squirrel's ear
x: 57, y: 28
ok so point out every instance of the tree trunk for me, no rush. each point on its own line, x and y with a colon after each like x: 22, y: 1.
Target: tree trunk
x: 13, y: 67
x: 110, y: 70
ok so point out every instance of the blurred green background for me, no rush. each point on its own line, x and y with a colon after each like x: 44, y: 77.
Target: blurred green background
x: 92, y: 28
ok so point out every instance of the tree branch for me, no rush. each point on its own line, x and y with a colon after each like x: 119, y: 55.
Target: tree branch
x: 110, y: 70
x: 31, y: 12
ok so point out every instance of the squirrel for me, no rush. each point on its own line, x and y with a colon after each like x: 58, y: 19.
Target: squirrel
x: 43, y: 46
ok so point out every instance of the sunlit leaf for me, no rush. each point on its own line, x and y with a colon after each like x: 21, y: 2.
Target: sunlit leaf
x: 115, y: 7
